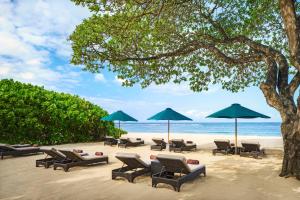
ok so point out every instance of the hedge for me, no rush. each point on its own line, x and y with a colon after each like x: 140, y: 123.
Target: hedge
x: 31, y: 114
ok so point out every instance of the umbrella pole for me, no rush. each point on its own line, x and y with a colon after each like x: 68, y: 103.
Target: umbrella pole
x: 168, y: 131
x: 119, y: 128
x: 236, y: 150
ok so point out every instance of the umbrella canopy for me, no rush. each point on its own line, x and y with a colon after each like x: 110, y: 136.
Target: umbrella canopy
x: 237, y: 111
x: 118, y: 116
x: 169, y: 114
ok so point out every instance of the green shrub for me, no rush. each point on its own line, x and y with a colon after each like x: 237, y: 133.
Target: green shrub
x: 31, y: 114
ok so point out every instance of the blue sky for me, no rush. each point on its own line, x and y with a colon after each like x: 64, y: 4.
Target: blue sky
x: 34, y: 50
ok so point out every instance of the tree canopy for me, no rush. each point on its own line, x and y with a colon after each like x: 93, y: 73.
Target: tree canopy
x: 31, y: 114
x: 203, y: 42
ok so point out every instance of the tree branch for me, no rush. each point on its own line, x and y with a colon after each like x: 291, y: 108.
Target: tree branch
x: 292, y: 28
x: 294, y: 84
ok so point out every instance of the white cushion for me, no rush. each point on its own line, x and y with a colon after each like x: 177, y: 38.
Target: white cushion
x: 128, y: 155
x: 193, y: 168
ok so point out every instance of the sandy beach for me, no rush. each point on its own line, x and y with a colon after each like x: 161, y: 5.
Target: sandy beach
x: 228, y: 177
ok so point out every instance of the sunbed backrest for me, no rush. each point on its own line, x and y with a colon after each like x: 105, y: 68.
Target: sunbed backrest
x: 176, y: 164
x: 72, y: 155
x: 124, y: 140
x: 177, y: 143
x: 54, y: 154
x: 251, y: 146
x: 222, y: 144
x: 159, y: 141
x: 6, y: 147
x: 109, y: 139
x: 132, y: 160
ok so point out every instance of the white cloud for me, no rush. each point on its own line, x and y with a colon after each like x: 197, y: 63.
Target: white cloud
x: 31, y: 33
x: 197, y: 114
x: 182, y: 89
x: 100, y: 78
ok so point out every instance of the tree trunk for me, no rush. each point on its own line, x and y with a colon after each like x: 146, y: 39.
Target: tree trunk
x: 291, y: 140
x: 290, y: 127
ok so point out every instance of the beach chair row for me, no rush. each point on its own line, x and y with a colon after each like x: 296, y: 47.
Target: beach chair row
x: 167, y: 169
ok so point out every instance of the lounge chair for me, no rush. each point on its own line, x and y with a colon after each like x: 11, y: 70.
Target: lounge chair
x: 130, y: 142
x: 223, y: 146
x: 132, y: 167
x: 75, y: 159
x: 55, y: 156
x: 180, y: 145
x: 175, y: 171
x: 251, y: 149
x: 160, y: 144
x: 21, y: 145
x: 108, y: 140
x: 8, y: 150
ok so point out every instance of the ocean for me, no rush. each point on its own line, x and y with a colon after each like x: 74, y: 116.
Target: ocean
x: 225, y: 128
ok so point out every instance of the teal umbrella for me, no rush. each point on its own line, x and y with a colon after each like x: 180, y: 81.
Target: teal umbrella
x: 237, y: 111
x: 118, y: 116
x: 169, y: 114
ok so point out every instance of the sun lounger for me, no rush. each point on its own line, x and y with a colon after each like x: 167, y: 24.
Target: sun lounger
x: 223, y: 146
x: 179, y: 145
x: 75, y: 159
x: 160, y: 144
x: 175, y: 171
x: 21, y: 145
x: 8, y: 150
x: 130, y: 142
x: 251, y: 149
x: 132, y: 167
x: 55, y: 156
x: 108, y: 140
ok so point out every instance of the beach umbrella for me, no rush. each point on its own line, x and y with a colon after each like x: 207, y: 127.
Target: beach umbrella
x: 168, y: 115
x: 118, y: 116
x: 236, y: 111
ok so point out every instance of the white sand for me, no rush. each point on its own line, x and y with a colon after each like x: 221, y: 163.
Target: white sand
x: 228, y: 178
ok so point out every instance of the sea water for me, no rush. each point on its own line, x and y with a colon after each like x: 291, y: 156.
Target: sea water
x: 244, y: 128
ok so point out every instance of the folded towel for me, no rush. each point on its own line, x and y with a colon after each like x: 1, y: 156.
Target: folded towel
x: 189, y: 142
x: 83, y: 154
x: 192, y: 162
x: 99, y: 153
x: 77, y: 151
x: 152, y: 157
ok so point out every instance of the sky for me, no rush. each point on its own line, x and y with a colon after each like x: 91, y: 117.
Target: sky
x: 34, y: 49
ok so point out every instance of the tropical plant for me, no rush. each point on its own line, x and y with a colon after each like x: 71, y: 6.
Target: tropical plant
x: 31, y: 114
x: 232, y: 43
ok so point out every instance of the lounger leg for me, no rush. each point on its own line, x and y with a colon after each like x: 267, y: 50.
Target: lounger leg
x: 66, y: 169
x: 1, y: 156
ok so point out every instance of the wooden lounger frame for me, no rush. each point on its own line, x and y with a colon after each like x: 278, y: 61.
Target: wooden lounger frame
x: 47, y: 162
x: 6, y: 150
x: 133, y: 169
x: 179, y: 146
x: 160, y: 144
x: 127, y: 143
x: 168, y: 171
x: 73, y: 160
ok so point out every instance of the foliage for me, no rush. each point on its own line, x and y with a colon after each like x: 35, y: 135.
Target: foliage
x: 196, y: 41
x: 31, y: 114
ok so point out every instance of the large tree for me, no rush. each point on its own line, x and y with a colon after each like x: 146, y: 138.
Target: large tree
x: 233, y: 43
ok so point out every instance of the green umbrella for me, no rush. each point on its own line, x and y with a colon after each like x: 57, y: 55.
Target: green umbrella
x: 169, y: 114
x: 237, y: 111
x: 118, y: 116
